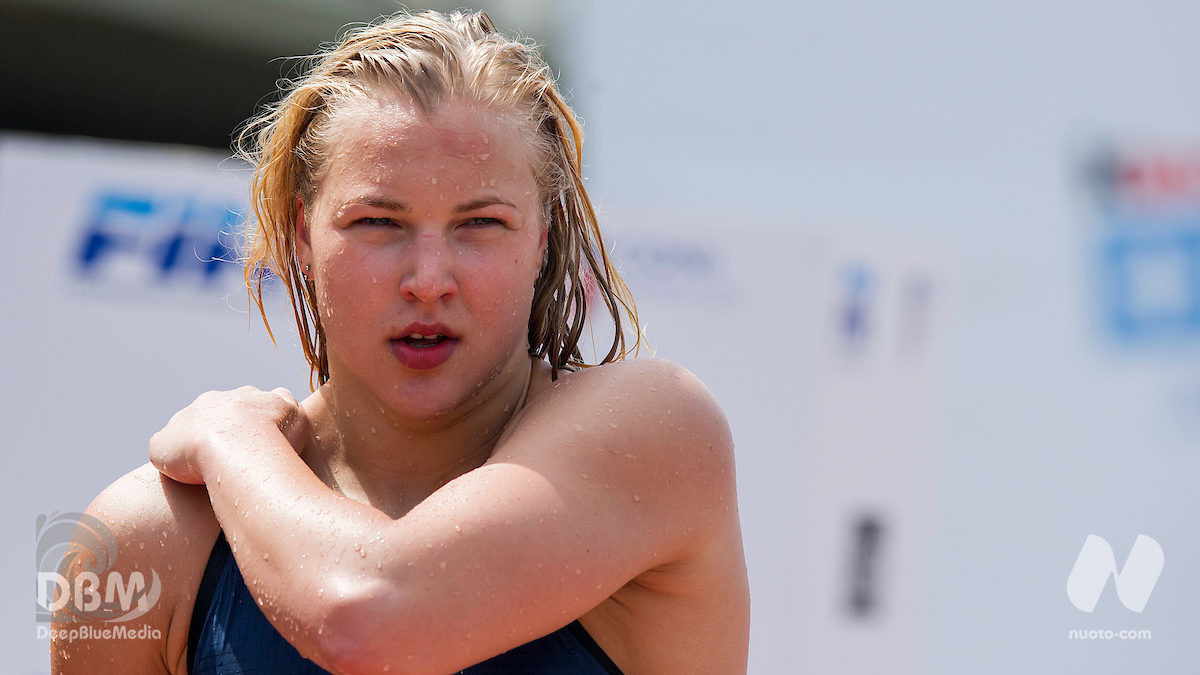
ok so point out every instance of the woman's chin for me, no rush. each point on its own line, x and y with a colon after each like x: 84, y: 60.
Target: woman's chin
x: 422, y: 403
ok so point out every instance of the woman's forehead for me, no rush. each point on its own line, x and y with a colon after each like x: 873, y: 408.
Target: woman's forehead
x: 456, y: 129
x: 400, y: 153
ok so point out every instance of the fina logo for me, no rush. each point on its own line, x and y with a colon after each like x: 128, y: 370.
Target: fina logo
x: 149, y: 239
x: 1134, y: 582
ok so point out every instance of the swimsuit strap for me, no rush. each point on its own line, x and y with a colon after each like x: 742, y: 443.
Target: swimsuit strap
x: 204, y: 596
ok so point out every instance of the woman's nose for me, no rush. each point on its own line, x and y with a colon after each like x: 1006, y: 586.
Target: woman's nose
x: 430, y: 276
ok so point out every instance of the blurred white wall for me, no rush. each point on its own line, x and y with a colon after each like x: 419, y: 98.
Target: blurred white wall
x: 967, y: 127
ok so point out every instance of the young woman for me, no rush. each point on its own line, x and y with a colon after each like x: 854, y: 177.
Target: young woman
x: 459, y: 492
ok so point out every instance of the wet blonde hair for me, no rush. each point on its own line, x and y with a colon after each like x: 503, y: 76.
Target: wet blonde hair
x: 432, y: 58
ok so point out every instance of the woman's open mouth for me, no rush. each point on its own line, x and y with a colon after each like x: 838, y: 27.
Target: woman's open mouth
x: 422, y: 352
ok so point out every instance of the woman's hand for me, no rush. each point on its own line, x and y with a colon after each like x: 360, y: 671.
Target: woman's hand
x: 178, y: 449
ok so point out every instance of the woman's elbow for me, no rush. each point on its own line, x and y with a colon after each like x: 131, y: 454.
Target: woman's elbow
x: 365, y: 630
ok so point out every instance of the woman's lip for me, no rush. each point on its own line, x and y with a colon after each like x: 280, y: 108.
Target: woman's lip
x: 426, y: 329
x: 423, y: 358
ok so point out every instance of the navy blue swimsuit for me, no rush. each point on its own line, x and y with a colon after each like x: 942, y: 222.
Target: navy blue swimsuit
x: 230, y: 635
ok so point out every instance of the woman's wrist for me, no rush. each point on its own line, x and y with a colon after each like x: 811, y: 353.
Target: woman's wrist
x: 225, y: 450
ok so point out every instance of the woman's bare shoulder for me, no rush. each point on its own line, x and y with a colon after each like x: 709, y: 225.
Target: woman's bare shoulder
x: 662, y: 437
x: 143, y: 507
x: 162, y: 530
x: 672, y: 433
x: 650, y: 389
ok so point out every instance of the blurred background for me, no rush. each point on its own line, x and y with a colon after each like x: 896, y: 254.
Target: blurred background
x: 940, y: 263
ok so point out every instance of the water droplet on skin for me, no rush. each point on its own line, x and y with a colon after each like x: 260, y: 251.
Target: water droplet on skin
x: 583, y: 476
x: 457, y: 528
x: 637, y: 498
x: 266, y: 556
x: 433, y: 180
x: 320, y: 592
x: 578, y: 571
x: 442, y: 565
x: 484, y: 156
x: 612, y: 424
x: 142, y: 545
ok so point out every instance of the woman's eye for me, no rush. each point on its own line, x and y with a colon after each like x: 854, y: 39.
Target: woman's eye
x: 376, y: 222
x: 483, y: 222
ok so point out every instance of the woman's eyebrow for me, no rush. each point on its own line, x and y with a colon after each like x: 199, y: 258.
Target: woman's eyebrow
x: 377, y: 202
x: 392, y: 205
x: 480, y: 203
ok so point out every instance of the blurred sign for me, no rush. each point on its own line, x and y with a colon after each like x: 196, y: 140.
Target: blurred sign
x: 1148, y: 206
x: 146, y: 237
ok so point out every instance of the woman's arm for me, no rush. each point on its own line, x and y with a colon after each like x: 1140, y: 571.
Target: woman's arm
x: 144, y: 525
x: 621, y: 470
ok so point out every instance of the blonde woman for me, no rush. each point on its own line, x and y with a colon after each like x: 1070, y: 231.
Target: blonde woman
x: 459, y: 492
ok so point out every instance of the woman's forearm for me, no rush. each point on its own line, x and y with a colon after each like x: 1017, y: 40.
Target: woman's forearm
x: 304, y: 550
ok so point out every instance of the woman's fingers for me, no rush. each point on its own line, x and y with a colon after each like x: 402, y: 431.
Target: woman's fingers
x: 287, y: 395
x: 295, y: 425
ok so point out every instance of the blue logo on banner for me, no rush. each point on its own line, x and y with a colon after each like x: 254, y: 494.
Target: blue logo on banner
x: 161, y: 238
x: 1149, y: 208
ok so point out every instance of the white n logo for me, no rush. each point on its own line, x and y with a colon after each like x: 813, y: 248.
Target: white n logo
x: 1134, y: 582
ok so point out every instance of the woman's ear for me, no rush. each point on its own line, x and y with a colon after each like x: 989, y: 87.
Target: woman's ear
x: 303, y: 237
x: 543, y: 244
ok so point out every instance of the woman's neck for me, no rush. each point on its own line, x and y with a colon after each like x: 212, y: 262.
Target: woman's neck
x: 370, y: 454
